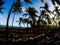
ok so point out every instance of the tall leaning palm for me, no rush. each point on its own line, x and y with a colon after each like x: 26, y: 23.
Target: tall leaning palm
x: 7, y: 22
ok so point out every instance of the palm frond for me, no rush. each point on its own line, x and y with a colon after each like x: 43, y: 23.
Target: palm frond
x: 17, y: 8
x: 58, y: 1
x: 1, y: 9
x: 42, y: 1
x: 1, y: 12
x: 53, y: 2
x: 1, y: 2
x: 25, y: 14
x: 28, y: 1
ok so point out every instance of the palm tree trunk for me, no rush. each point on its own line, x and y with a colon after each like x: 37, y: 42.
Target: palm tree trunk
x: 33, y: 21
x: 27, y: 25
x: 7, y: 22
x: 13, y: 20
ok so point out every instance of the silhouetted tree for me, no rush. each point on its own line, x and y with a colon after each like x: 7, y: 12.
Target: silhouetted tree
x: 48, y: 18
x: 17, y: 8
x: 32, y: 13
x: 43, y: 14
x: 7, y: 23
x: 46, y: 7
x: 26, y: 20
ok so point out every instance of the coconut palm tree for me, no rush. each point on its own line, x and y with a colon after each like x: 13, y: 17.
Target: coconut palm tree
x: 7, y: 22
x: 46, y: 7
x: 41, y: 17
x: 48, y: 18
x: 43, y: 12
x: 26, y: 20
x: 40, y: 20
x: 44, y: 15
x: 57, y: 13
x: 21, y: 20
x: 32, y: 14
x: 16, y: 9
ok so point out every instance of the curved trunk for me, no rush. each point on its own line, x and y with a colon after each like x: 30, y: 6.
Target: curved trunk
x: 7, y: 22
x: 13, y: 20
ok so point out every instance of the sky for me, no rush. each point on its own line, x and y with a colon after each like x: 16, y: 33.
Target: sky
x: 36, y: 4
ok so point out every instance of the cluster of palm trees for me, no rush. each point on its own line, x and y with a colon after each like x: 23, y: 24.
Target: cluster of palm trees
x: 45, y: 13
x: 55, y: 12
x: 17, y: 8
